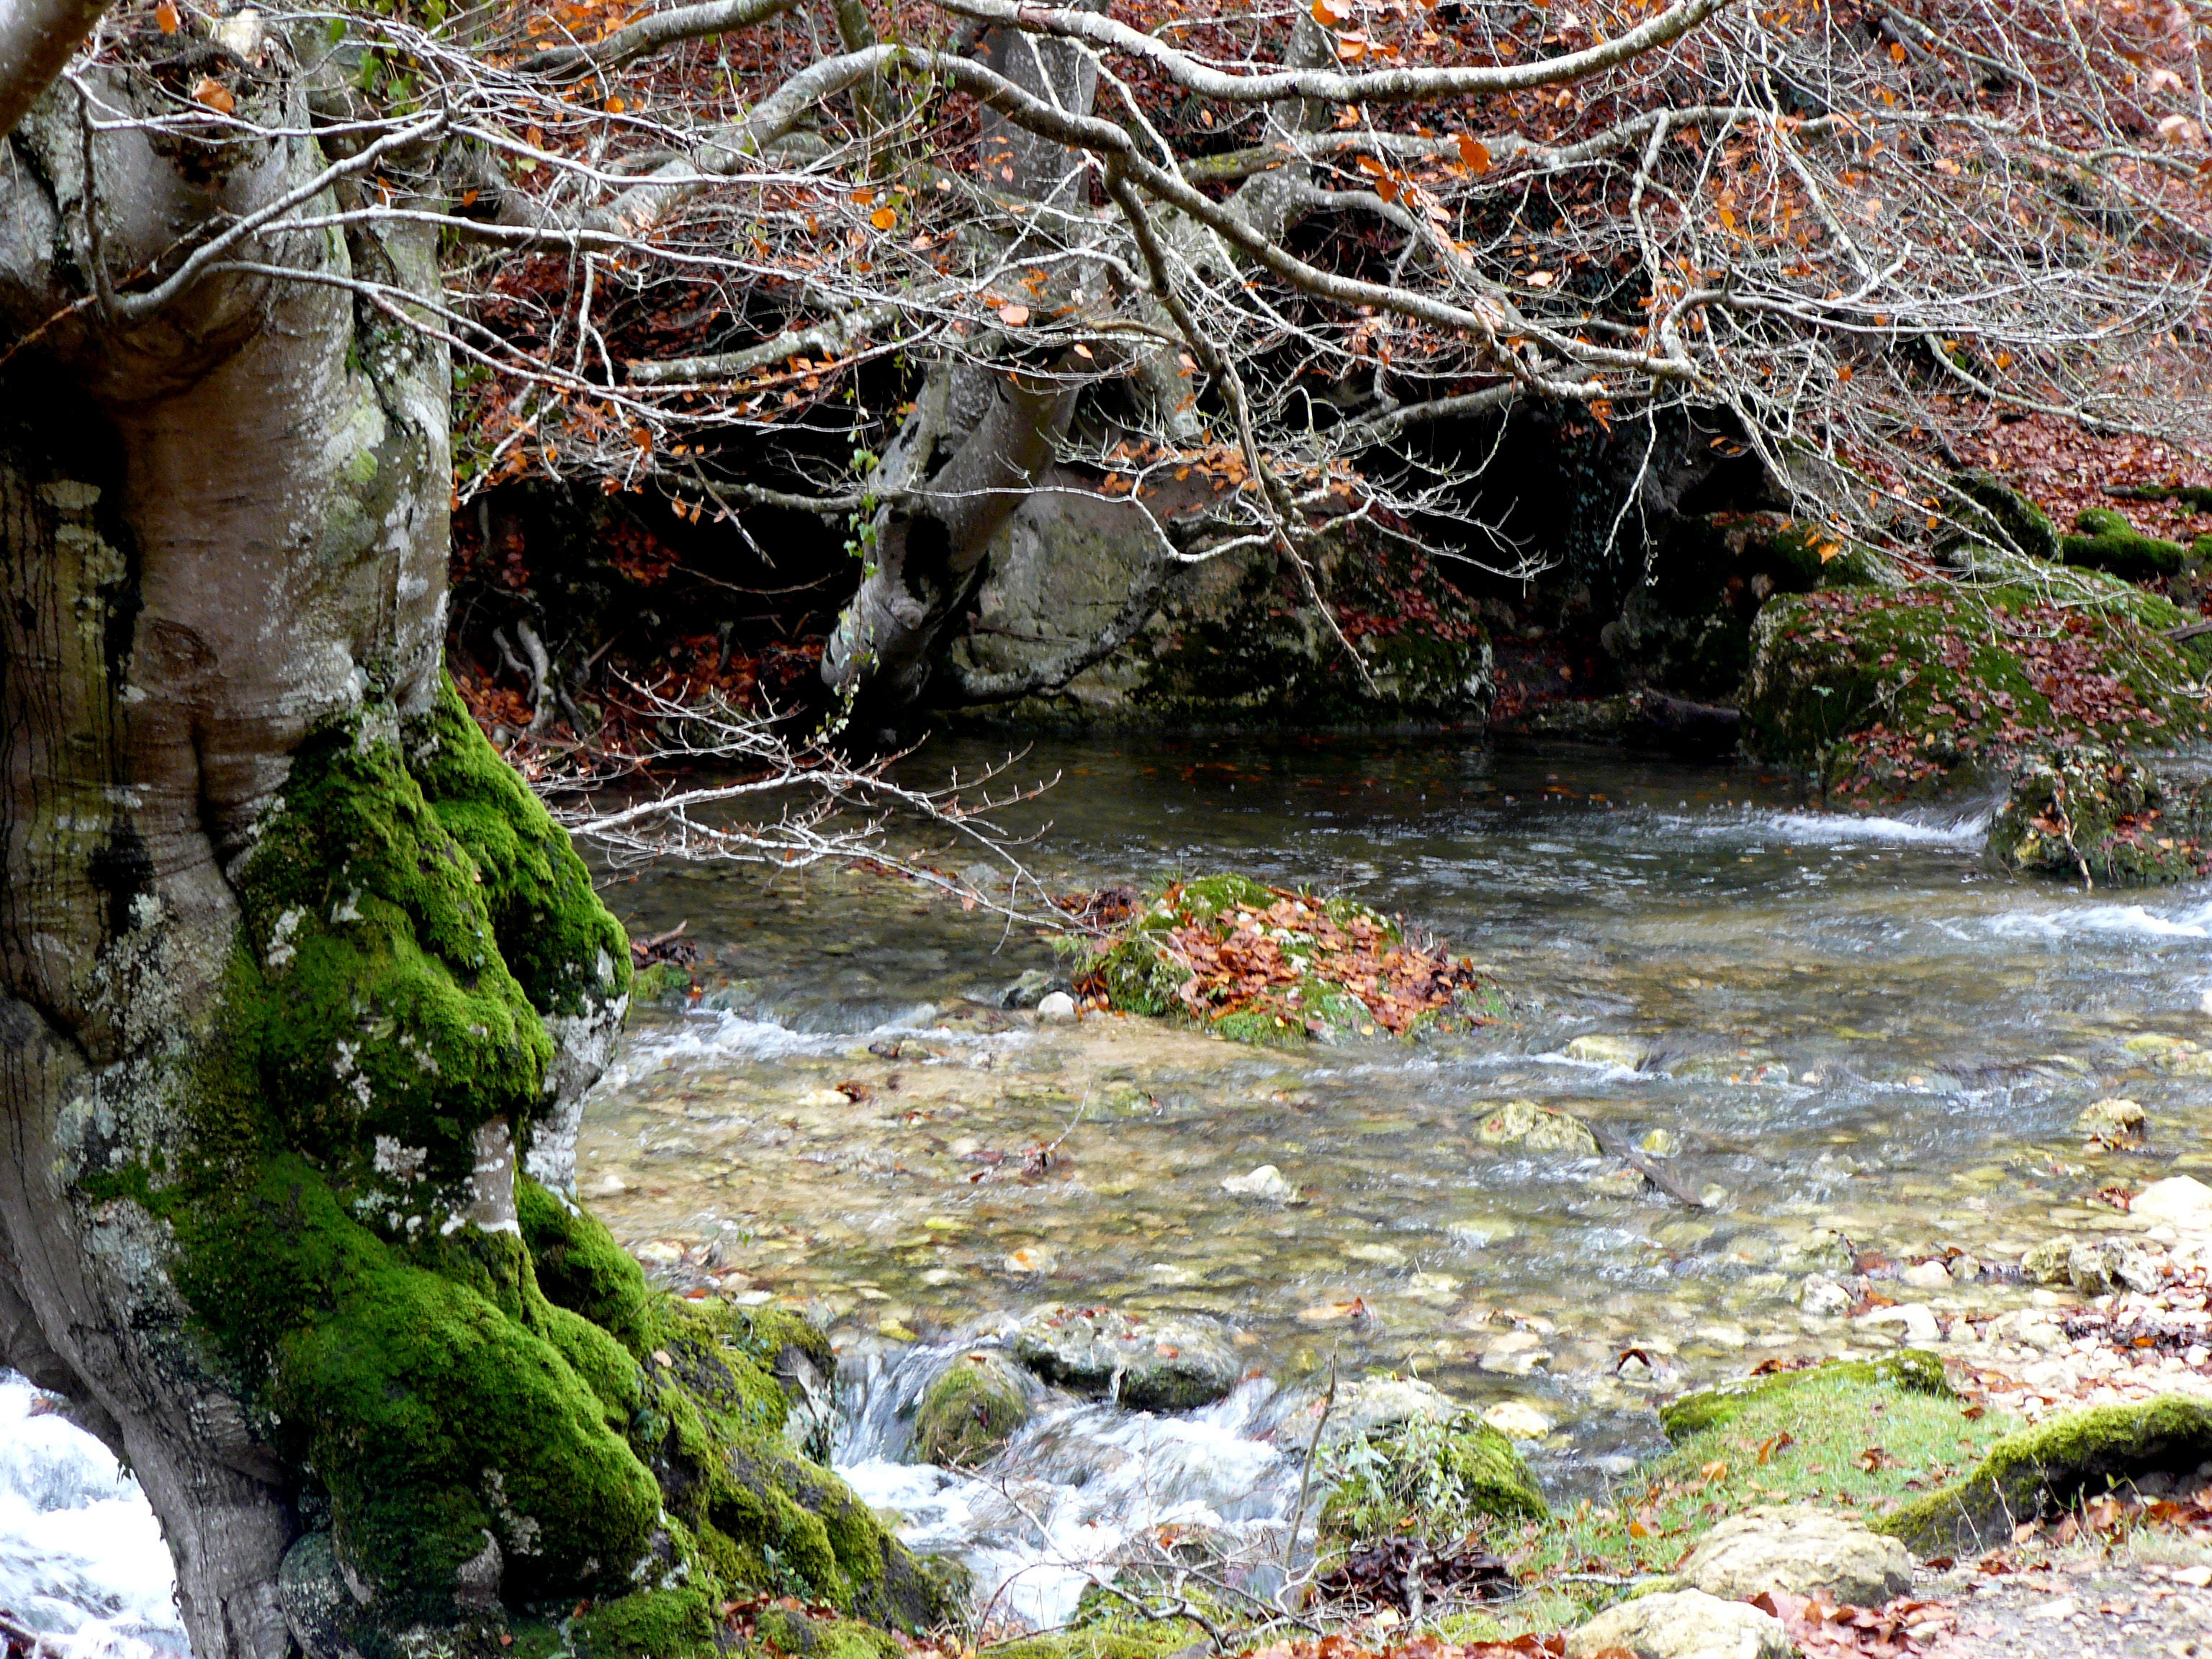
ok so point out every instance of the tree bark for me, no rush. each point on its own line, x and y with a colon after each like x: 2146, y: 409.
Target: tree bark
x: 299, y: 987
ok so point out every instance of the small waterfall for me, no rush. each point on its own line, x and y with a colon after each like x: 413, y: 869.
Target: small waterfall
x: 1084, y: 1489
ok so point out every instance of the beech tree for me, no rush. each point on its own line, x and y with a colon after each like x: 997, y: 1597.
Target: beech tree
x: 302, y: 987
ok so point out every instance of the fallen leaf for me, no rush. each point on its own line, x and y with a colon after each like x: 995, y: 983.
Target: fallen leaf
x: 1474, y: 154
x: 165, y: 17
x: 215, y: 95
x: 885, y: 218
x: 1014, y: 316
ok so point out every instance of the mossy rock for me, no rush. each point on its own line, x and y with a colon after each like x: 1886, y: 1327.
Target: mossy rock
x: 2042, y: 1470
x: 667, y: 983
x: 1915, y: 1371
x: 1987, y: 509
x: 1888, y: 691
x: 1112, y: 1637
x: 969, y: 1412
x: 1434, y: 1478
x: 793, y: 1634
x: 2107, y: 542
x: 2086, y: 813
x: 1139, y: 969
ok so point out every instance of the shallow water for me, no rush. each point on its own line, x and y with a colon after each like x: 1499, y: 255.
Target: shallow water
x: 1859, y: 1039
x: 1863, y: 1040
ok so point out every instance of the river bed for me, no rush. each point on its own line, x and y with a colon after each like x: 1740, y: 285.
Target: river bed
x: 1846, y: 1033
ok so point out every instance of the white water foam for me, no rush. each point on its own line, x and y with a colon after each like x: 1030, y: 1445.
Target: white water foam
x: 1060, y: 1504
x: 1836, y: 829
x: 81, y: 1553
x: 2140, y: 920
x: 712, y: 1036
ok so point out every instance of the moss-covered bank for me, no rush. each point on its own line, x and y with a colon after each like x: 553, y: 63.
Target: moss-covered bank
x: 2042, y: 1470
x: 1887, y: 690
x: 494, y: 1421
x: 2087, y: 814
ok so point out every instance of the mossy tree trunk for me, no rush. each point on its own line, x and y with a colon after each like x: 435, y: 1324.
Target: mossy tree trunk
x: 299, y: 987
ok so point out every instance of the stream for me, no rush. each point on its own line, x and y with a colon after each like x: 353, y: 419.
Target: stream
x: 1845, y: 1033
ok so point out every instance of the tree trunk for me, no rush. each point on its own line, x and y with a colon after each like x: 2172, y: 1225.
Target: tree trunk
x: 293, y: 969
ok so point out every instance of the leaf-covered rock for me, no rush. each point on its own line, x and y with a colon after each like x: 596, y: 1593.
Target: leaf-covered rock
x: 1265, y: 963
x: 2088, y: 814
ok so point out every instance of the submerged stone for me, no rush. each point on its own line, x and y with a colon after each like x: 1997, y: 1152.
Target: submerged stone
x: 1172, y: 1364
x: 2042, y: 1470
x: 1534, y: 1129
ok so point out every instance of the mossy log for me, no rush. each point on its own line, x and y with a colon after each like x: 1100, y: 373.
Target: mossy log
x: 2042, y: 1470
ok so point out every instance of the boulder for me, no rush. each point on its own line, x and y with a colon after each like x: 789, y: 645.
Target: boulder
x: 1822, y: 1298
x: 2114, y: 1121
x: 1233, y: 641
x: 1407, y: 1460
x: 2058, y: 1463
x: 973, y: 1409
x: 2181, y: 1201
x: 1913, y: 1370
x: 1801, y: 1551
x: 1170, y: 1364
x: 2086, y: 812
x: 1682, y: 1625
x: 2099, y: 1267
x: 1533, y: 1128
x: 1886, y: 690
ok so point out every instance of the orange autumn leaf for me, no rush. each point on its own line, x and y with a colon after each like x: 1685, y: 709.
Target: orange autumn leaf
x: 215, y: 95
x: 166, y: 18
x: 1014, y: 316
x: 884, y: 218
x: 1474, y: 154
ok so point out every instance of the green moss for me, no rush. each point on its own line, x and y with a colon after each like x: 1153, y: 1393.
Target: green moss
x: 1913, y: 1370
x: 969, y: 1412
x: 661, y: 1624
x: 1110, y: 1638
x: 1886, y: 691
x: 2042, y: 1470
x: 663, y: 982
x: 556, y: 937
x: 472, y: 1399
x: 1438, y: 1479
x: 1988, y: 509
x: 2108, y: 542
x: 791, y: 1632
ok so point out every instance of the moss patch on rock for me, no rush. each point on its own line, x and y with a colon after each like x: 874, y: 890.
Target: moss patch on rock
x: 2104, y: 540
x: 1909, y: 1371
x: 1437, y: 1479
x: 2088, y: 814
x: 2042, y: 1470
x: 970, y: 1411
x: 1264, y: 963
x: 1886, y: 691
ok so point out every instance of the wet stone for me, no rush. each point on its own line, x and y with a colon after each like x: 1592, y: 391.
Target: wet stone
x: 1169, y: 1362
x: 1801, y: 1551
x: 1681, y: 1625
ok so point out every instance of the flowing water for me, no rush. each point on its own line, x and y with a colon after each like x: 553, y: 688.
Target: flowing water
x: 1851, y: 1036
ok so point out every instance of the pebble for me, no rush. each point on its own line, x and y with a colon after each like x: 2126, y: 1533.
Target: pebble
x: 1266, y: 1184
x: 1056, y: 1005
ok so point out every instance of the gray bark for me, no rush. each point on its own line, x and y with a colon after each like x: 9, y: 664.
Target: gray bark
x: 218, y: 526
